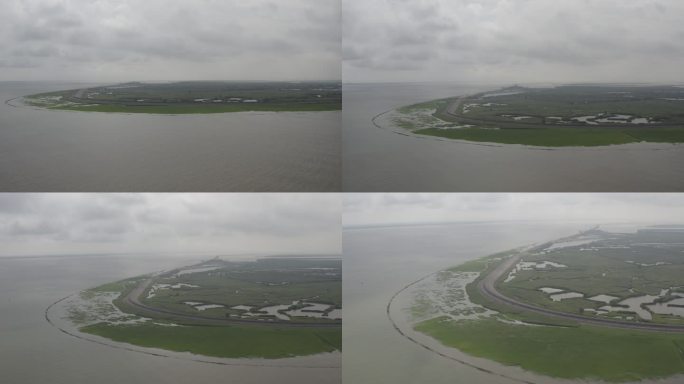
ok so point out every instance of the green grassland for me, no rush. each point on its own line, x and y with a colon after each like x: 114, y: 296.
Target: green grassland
x: 116, y: 286
x: 195, y: 97
x: 551, y: 137
x: 572, y: 101
x: 581, y: 352
x: 254, y: 283
x: 564, y: 348
x: 605, y: 269
x: 237, y: 341
x: 434, y: 104
x: 201, y: 108
x: 488, y: 264
x: 260, y: 284
x: 549, y: 116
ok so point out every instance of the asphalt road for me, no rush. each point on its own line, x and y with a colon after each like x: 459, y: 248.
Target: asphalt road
x: 487, y: 287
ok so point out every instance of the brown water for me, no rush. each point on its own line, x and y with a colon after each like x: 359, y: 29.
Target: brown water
x: 43, y: 150
x: 381, y: 160
x: 33, y: 351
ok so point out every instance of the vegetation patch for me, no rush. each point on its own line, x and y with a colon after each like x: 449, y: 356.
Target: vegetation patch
x: 268, y: 308
x: 195, y: 97
x: 573, y: 353
x: 225, y: 341
x: 553, y: 117
x: 627, y: 277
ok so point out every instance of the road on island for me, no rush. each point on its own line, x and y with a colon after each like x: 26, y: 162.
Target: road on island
x: 487, y: 287
x: 452, y: 111
x: 133, y: 299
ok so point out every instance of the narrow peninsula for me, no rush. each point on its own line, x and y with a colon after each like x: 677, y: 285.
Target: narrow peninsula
x: 195, y: 97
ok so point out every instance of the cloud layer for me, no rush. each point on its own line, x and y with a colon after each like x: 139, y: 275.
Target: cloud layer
x: 597, y: 208
x: 513, y: 40
x: 224, y: 224
x: 124, y: 40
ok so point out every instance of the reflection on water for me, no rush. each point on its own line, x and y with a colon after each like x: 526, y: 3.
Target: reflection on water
x: 80, y: 151
x: 380, y: 160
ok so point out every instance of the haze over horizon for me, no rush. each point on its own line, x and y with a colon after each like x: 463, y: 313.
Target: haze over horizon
x: 509, y: 42
x: 112, y: 41
x: 221, y: 224
x: 595, y: 208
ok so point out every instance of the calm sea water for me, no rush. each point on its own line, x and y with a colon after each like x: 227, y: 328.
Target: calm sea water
x: 380, y: 160
x: 378, y: 262
x: 32, y: 351
x: 42, y: 150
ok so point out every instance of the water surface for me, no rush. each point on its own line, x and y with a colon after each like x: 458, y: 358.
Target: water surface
x: 380, y: 160
x: 33, y: 351
x: 51, y: 150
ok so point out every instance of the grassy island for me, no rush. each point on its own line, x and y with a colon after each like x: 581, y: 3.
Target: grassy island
x: 269, y: 308
x: 195, y: 97
x: 572, y: 115
x: 594, y: 306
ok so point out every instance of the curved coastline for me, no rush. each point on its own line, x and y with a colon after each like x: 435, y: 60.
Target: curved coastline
x: 449, y: 111
x: 427, y: 347
x: 289, y: 362
x: 511, y: 372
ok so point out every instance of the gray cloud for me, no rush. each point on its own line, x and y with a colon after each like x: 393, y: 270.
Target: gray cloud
x: 214, y: 223
x: 378, y: 209
x: 122, y: 40
x: 513, y: 41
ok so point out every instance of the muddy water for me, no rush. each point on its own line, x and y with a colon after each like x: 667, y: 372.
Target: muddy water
x: 381, y: 160
x: 33, y: 351
x: 42, y: 150
x: 379, y: 262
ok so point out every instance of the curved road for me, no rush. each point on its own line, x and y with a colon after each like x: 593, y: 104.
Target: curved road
x: 487, y: 287
x: 133, y: 299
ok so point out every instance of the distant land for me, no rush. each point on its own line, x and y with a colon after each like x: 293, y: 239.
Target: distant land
x: 558, y: 308
x: 569, y: 115
x: 195, y: 97
x: 270, y: 308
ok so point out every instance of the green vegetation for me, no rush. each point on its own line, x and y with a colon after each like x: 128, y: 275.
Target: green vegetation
x: 225, y: 341
x: 264, y: 283
x: 201, y: 109
x: 576, y: 352
x: 269, y: 308
x: 434, y: 104
x: 554, y: 117
x: 648, y: 262
x: 195, y: 97
x: 623, y: 266
x: 557, y: 137
x: 117, y: 286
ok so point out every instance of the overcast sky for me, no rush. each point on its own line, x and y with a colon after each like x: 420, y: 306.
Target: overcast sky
x: 513, y: 41
x: 222, y: 224
x: 599, y: 208
x: 125, y: 40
